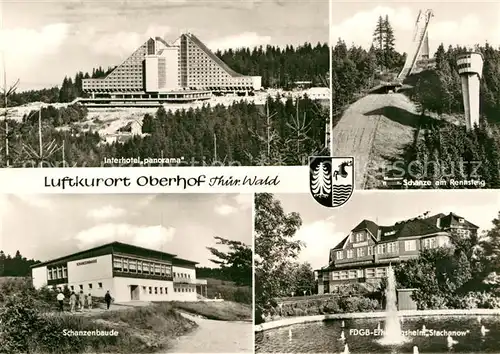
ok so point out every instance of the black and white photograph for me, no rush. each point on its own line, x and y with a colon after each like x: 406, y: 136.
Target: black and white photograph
x: 126, y: 273
x: 389, y: 272
x: 415, y: 93
x: 164, y: 83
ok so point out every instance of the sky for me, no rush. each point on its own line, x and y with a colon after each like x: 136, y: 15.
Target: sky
x: 45, y: 227
x: 456, y: 23
x: 323, y: 228
x: 44, y: 40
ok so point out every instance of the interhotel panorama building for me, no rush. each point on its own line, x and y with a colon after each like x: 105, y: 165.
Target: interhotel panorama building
x: 160, y: 72
x: 130, y: 273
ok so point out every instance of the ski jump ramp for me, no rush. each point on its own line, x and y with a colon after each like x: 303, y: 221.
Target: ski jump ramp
x: 418, y: 55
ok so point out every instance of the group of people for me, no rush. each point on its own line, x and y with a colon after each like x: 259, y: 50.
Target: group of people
x: 80, y: 301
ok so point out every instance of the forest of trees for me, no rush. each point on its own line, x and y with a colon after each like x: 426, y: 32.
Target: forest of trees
x: 281, y: 67
x: 17, y: 266
x: 355, y: 70
x: 70, y: 89
x: 241, y: 134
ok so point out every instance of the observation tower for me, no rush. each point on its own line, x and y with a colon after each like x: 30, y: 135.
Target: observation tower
x: 470, y: 68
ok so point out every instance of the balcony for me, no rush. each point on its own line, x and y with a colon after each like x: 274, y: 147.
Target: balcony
x: 182, y: 280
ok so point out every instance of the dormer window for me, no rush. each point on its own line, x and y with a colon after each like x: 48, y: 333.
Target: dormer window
x: 360, y: 237
x: 461, y: 220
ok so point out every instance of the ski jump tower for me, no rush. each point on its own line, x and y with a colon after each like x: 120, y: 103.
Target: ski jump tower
x: 418, y: 55
x: 470, y: 68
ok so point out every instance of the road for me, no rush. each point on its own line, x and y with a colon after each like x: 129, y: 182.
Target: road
x: 216, y: 337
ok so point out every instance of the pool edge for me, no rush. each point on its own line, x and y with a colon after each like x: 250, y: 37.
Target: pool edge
x: 355, y: 315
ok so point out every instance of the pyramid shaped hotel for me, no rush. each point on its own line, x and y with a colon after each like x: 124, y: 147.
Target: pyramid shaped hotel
x: 159, y: 72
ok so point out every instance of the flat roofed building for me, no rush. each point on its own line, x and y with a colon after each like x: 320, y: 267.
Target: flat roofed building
x: 129, y: 272
x: 365, y: 254
x: 161, y: 67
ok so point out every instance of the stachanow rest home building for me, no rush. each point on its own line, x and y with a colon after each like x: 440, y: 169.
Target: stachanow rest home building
x: 364, y: 255
x: 130, y: 273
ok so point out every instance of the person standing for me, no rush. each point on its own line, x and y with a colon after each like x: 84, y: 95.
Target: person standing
x: 107, y: 298
x: 60, y: 300
x: 81, y: 300
x: 89, y: 301
x: 72, y: 301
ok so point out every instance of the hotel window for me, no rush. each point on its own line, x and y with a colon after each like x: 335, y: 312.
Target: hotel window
x: 343, y: 274
x: 144, y: 288
x: 335, y: 275
x: 430, y: 243
x: 166, y: 290
x: 49, y: 274
x: 139, y: 267
x: 100, y: 285
x: 81, y: 287
x: 391, y: 247
x: 360, y: 237
x: 361, y: 273
x: 370, y: 250
x: 410, y: 245
x: 65, y: 272
x: 349, y: 253
x: 162, y: 270
x: 156, y: 290
x: 157, y: 269
x: 340, y: 254
x: 90, y: 286
x: 72, y: 287
x: 380, y: 272
x: 150, y: 290
x: 59, y: 273
x: 161, y: 291
x: 370, y: 273
x: 133, y: 266
x: 360, y: 252
x: 117, y: 264
x: 145, y: 267
x: 352, y: 274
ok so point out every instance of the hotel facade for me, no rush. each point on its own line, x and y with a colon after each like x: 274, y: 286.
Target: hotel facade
x: 365, y: 254
x: 158, y: 71
x: 130, y: 273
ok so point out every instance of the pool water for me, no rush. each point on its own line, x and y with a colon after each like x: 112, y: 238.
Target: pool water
x: 362, y: 336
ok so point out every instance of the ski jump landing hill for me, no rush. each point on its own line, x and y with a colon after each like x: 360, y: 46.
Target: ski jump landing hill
x: 376, y: 128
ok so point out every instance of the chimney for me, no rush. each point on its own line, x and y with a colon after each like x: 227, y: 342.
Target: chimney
x: 438, y: 222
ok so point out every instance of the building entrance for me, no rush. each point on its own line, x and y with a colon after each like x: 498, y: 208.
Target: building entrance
x: 134, y: 292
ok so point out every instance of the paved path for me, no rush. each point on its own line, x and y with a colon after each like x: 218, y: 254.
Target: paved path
x: 216, y: 337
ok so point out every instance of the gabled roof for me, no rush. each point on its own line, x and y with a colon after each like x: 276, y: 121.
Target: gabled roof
x: 453, y: 219
x: 367, y: 225
x: 418, y: 226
